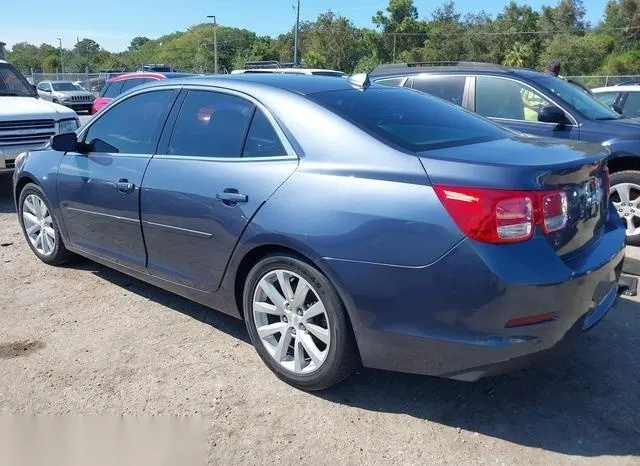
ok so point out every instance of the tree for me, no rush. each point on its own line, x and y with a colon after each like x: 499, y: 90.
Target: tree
x: 578, y: 55
x: 137, y: 43
x: 333, y: 41
x: 519, y: 56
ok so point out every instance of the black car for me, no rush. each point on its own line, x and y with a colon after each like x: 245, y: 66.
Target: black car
x: 539, y: 104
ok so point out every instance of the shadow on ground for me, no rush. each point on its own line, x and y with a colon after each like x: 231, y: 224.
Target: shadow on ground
x: 585, y: 401
x: 6, y: 197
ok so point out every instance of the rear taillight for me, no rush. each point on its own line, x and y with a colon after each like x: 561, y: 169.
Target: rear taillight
x: 502, y: 216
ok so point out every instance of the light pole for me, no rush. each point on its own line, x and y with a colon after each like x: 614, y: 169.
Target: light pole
x: 61, y: 59
x: 295, y: 39
x: 215, y: 44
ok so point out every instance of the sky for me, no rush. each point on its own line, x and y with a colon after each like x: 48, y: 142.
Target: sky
x: 113, y: 23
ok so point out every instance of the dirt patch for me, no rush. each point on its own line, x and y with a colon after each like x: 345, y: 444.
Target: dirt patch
x: 17, y: 349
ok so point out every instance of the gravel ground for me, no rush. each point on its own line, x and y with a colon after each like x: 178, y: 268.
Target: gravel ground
x: 85, y: 340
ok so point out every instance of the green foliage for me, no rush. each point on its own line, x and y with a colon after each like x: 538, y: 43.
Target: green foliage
x: 517, y: 36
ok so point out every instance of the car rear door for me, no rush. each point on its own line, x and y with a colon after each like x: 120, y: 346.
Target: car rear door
x: 220, y: 158
x: 99, y: 191
x: 516, y: 105
x: 447, y: 87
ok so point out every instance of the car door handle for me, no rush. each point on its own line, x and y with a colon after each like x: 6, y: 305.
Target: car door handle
x: 231, y: 197
x: 124, y: 186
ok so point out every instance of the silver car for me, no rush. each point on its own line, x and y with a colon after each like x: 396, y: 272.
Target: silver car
x: 66, y: 93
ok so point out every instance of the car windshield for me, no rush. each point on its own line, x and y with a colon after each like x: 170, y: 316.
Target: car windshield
x: 61, y: 87
x: 586, y: 104
x: 410, y: 119
x: 12, y: 83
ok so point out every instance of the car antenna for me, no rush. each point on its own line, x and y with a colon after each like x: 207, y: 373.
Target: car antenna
x: 360, y: 80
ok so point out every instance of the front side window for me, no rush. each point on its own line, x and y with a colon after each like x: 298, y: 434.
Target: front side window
x: 42, y: 86
x: 607, y: 98
x: 631, y: 108
x: 449, y: 88
x: 211, y: 124
x: 132, y: 126
x: 585, y: 103
x: 508, y: 99
x: 12, y: 83
x: 409, y: 119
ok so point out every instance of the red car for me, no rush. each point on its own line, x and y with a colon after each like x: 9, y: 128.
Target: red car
x: 119, y: 84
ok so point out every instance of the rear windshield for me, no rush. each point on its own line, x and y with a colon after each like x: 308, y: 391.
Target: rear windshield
x: 409, y: 119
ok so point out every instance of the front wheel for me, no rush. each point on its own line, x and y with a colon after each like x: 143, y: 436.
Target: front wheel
x: 625, y: 196
x: 298, y: 323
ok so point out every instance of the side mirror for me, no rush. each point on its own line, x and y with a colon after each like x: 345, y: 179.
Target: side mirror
x: 552, y: 114
x: 65, y: 142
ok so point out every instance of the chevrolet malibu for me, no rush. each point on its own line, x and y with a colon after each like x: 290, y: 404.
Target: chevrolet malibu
x: 346, y: 222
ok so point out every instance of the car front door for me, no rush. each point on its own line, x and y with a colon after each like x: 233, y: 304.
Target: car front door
x: 630, y: 104
x: 223, y: 159
x: 516, y: 105
x: 99, y: 191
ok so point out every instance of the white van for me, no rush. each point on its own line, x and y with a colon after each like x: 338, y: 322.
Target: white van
x: 309, y: 71
x: 26, y: 121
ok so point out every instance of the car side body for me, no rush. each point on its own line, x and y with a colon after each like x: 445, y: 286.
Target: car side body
x: 420, y: 294
x: 625, y: 97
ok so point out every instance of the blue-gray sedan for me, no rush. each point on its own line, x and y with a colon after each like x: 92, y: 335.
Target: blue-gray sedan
x: 346, y: 222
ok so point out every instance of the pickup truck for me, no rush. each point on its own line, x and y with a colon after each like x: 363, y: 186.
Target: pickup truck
x: 27, y: 122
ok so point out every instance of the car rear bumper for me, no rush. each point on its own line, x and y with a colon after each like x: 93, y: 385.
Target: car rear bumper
x: 450, y: 318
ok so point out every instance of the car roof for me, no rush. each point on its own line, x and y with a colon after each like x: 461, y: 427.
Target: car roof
x: 298, y: 83
x: 149, y: 74
x: 627, y: 88
x: 287, y: 70
x: 450, y: 68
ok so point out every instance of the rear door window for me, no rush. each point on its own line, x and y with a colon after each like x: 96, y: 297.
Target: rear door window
x: 449, y: 88
x: 391, y: 81
x: 211, y: 124
x: 112, y: 90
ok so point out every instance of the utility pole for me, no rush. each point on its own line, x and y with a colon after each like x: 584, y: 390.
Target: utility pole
x: 61, y: 57
x: 215, y: 44
x: 394, y: 47
x: 295, y: 39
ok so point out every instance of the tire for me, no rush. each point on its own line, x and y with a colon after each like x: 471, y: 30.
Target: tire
x: 627, y: 182
x: 32, y: 195
x: 334, y: 360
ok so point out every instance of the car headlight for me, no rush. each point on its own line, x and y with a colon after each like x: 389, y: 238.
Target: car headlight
x: 68, y: 126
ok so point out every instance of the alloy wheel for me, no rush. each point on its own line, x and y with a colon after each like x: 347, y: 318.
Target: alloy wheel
x: 38, y: 225
x: 291, y: 321
x: 626, y: 199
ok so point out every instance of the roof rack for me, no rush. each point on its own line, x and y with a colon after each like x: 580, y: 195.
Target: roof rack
x: 250, y: 65
x: 399, y: 67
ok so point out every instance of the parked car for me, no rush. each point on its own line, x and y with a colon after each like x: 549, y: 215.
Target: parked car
x: 307, y: 71
x: 66, y: 93
x: 538, y: 104
x: 26, y: 121
x: 122, y: 83
x: 157, y: 67
x: 625, y: 98
x: 397, y: 239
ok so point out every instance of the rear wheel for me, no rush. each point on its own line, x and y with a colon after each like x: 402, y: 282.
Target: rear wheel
x: 625, y: 196
x: 39, y: 226
x: 298, y: 323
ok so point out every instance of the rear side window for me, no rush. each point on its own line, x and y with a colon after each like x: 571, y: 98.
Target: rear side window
x: 211, y: 124
x: 449, y: 88
x: 391, y: 81
x: 112, y: 90
x: 262, y: 140
x: 131, y: 83
x: 411, y: 120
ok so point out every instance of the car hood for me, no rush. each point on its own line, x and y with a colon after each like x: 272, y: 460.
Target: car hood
x: 72, y: 93
x: 30, y: 108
